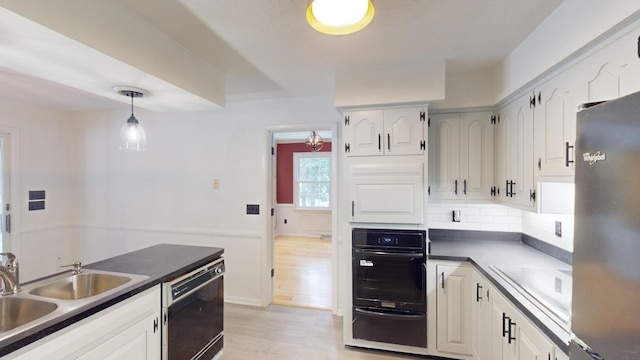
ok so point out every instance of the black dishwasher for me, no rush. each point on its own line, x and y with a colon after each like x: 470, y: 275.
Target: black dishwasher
x: 389, y: 286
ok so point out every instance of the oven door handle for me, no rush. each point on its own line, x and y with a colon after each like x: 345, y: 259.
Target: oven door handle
x: 388, y: 315
x: 390, y: 254
x: 191, y: 291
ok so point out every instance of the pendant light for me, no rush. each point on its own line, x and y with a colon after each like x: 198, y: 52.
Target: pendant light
x: 339, y: 17
x: 314, y: 141
x: 132, y: 136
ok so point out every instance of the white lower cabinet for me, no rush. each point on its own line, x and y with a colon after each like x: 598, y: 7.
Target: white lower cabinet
x: 453, y: 297
x: 129, y: 330
x: 502, y: 332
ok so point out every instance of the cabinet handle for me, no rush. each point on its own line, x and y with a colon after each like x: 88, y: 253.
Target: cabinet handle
x: 566, y: 155
x: 532, y: 195
x: 511, y: 337
x: 504, y: 326
x: 540, y: 164
x: 506, y: 186
x: 464, y: 189
x: 478, y: 289
x: 487, y: 294
x: 455, y: 187
x: 379, y: 142
x: 442, y: 277
x: 155, y: 325
x: 388, y: 142
x: 353, y: 208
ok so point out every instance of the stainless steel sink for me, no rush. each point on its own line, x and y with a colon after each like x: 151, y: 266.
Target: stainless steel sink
x: 17, y: 311
x: 80, y: 286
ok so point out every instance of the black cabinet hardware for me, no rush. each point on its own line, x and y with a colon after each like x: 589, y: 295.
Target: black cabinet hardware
x: 388, y: 141
x: 512, y: 336
x: 493, y: 191
x: 353, y: 208
x: 532, y: 195
x: 346, y: 120
x: 379, y: 142
x: 423, y: 145
x: 442, y: 275
x: 478, y: 290
x: 566, y: 155
x: 504, y: 324
x: 347, y: 148
x: 539, y: 163
x: 455, y: 187
x: 155, y: 325
x: 464, y: 186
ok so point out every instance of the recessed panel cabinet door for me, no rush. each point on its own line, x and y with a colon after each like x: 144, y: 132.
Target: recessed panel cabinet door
x: 454, y: 318
x: 476, y: 155
x: 444, y: 156
x: 404, y: 130
x: 363, y: 133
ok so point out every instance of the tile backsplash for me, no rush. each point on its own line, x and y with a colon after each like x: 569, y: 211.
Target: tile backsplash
x: 495, y: 217
x: 484, y: 217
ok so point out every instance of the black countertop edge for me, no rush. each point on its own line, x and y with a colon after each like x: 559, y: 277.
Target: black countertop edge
x: 509, y: 295
x: 115, y: 264
x: 448, y: 234
x: 473, y: 235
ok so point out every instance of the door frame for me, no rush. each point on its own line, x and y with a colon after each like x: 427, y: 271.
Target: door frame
x: 271, y: 203
x: 11, y: 242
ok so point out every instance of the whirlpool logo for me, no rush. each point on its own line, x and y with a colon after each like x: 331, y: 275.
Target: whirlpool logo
x: 594, y: 158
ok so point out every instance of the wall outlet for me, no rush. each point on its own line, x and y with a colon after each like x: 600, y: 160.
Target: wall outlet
x: 558, y: 229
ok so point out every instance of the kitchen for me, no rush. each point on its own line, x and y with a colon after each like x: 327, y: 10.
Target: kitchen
x: 101, y: 203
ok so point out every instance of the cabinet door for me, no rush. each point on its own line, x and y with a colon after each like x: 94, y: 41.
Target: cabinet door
x: 476, y: 155
x: 454, y: 316
x: 517, y: 145
x: 501, y: 348
x: 531, y: 344
x: 404, y: 131
x: 363, y: 133
x: 555, y: 124
x: 139, y: 341
x: 387, y: 191
x: 444, y: 156
x: 481, y: 328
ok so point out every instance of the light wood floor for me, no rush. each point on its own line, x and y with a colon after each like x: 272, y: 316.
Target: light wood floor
x: 289, y: 333
x: 302, y: 272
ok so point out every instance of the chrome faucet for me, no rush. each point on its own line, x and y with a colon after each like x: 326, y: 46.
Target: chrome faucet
x: 10, y: 274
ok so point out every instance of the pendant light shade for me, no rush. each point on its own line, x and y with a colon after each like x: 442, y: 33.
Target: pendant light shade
x: 132, y: 136
x: 314, y: 141
x: 339, y: 17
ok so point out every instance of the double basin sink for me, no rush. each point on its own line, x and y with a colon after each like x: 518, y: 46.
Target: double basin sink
x: 53, y: 297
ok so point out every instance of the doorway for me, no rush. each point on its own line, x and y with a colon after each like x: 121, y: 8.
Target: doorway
x: 302, y: 248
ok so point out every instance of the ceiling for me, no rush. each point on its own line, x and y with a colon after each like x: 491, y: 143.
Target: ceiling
x: 201, y: 54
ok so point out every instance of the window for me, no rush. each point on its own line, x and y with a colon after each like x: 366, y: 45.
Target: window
x: 312, y: 180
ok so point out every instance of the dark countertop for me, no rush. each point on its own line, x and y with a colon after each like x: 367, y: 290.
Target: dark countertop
x: 160, y: 262
x: 483, y: 253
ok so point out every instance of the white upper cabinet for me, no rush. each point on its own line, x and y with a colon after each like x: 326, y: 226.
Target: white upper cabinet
x: 387, y: 190
x: 514, y: 154
x: 557, y: 103
x: 461, y: 156
x: 385, y: 132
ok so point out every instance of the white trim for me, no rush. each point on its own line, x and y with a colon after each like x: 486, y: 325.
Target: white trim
x: 182, y: 231
x: 243, y: 301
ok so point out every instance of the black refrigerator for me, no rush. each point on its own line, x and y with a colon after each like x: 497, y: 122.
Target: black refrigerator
x: 606, y: 257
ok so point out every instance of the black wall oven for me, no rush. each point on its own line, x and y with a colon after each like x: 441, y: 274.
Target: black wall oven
x: 193, y: 307
x: 389, y: 286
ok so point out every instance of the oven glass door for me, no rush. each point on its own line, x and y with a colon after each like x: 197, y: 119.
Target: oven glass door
x: 195, y: 323
x: 387, y: 279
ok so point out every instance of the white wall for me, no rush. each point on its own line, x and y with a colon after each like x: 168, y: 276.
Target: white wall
x: 40, y: 147
x: 128, y: 200
x: 574, y: 24
x: 311, y: 223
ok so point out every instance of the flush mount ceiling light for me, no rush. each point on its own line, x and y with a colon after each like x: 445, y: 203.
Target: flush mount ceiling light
x: 339, y: 17
x: 314, y: 141
x: 132, y: 136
